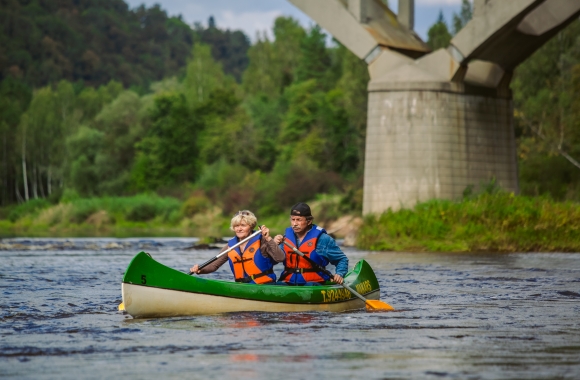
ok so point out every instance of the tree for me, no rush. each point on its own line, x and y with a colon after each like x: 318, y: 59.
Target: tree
x: 15, y: 97
x: 84, y: 147
x: 547, y: 117
x: 263, y: 75
x: 438, y: 35
x: 203, y: 75
x: 169, y: 153
x: 272, y: 64
x: 121, y: 125
x: 314, y: 62
x: 289, y: 36
x: 229, y: 48
x: 353, y: 86
x: 464, y: 16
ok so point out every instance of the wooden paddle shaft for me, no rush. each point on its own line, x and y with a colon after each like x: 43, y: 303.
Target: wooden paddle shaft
x: 229, y: 249
x: 324, y: 270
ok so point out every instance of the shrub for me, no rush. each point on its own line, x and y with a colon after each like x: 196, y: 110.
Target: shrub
x: 142, y: 208
x: 83, y: 208
x: 27, y: 208
x: 293, y: 182
x: 142, y: 212
x: 196, y: 203
x: 492, y: 221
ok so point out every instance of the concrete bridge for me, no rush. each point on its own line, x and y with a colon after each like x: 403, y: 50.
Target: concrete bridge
x: 439, y: 121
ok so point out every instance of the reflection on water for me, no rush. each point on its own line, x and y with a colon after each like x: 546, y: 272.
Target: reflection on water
x: 459, y: 316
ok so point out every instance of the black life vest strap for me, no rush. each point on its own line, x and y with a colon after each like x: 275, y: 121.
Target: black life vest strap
x: 242, y: 260
x: 251, y: 278
x: 290, y: 271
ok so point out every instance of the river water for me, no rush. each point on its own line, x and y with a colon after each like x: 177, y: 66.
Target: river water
x: 460, y: 316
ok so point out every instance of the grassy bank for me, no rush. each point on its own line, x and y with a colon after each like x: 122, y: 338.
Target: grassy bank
x: 140, y: 215
x: 498, y: 222
x: 487, y: 222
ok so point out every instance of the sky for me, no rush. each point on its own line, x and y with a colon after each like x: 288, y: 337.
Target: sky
x: 257, y: 16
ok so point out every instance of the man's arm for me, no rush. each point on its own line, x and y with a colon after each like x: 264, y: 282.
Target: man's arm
x: 327, y: 247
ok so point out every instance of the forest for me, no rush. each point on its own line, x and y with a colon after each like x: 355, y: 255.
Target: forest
x: 129, y: 115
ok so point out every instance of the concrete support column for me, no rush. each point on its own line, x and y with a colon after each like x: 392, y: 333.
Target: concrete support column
x: 432, y: 140
x: 406, y: 15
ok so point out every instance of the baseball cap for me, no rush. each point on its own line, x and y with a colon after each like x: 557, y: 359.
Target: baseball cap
x: 300, y: 209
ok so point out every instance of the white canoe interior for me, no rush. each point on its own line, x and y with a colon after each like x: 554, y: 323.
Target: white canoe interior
x: 148, y: 302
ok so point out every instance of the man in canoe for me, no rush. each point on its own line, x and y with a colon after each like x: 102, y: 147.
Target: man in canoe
x: 253, y: 261
x: 314, y: 243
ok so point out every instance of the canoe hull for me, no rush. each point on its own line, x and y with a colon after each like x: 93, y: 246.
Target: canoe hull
x: 151, y: 289
x: 147, y: 302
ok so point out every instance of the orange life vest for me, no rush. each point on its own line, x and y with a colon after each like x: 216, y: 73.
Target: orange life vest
x: 250, y: 266
x: 298, y: 270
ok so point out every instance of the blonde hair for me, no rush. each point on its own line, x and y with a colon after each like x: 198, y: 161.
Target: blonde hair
x: 244, y: 216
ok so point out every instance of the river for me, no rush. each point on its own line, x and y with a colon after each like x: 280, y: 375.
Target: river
x: 459, y: 316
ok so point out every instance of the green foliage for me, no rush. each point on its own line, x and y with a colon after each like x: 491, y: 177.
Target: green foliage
x: 84, y: 146
x: 292, y: 182
x: 489, y: 222
x: 227, y: 47
x: 314, y: 58
x: 122, y: 127
x: 272, y: 65
x: 464, y: 16
x: 138, y: 208
x: 547, y: 117
x: 30, y: 208
x: 203, y: 75
x: 15, y: 96
x: 438, y: 35
x: 91, y: 41
x: 219, y: 176
x: 195, y: 204
x: 168, y: 154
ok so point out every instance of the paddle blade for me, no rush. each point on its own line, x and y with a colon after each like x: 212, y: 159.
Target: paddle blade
x: 121, y: 306
x: 375, y: 305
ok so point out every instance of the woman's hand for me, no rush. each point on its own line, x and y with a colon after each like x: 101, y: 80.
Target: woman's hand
x: 266, y: 233
x: 278, y: 239
x: 194, y: 269
x: 338, y: 279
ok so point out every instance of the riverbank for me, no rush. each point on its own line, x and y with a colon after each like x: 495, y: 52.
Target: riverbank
x: 149, y: 215
x: 500, y: 222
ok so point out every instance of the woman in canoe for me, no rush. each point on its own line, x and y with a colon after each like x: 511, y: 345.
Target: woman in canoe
x: 253, y: 261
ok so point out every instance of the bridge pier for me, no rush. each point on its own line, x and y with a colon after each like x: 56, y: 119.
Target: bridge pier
x: 439, y: 121
x: 433, y: 140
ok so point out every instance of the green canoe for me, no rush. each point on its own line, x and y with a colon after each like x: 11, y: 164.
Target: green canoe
x: 151, y: 289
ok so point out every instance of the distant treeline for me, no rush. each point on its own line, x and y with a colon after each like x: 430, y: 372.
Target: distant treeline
x: 91, y: 42
x: 291, y: 127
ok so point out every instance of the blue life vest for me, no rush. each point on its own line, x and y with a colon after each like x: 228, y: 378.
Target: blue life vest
x: 297, y: 270
x: 250, y: 266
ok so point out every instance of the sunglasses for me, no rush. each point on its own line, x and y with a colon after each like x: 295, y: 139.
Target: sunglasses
x: 243, y: 213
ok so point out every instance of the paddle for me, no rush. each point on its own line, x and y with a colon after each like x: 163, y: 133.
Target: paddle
x: 370, y: 304
x: 122, y: 305
x: 229, y: 249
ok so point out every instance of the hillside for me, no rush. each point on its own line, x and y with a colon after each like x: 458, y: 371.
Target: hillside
x: 94, y: 42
